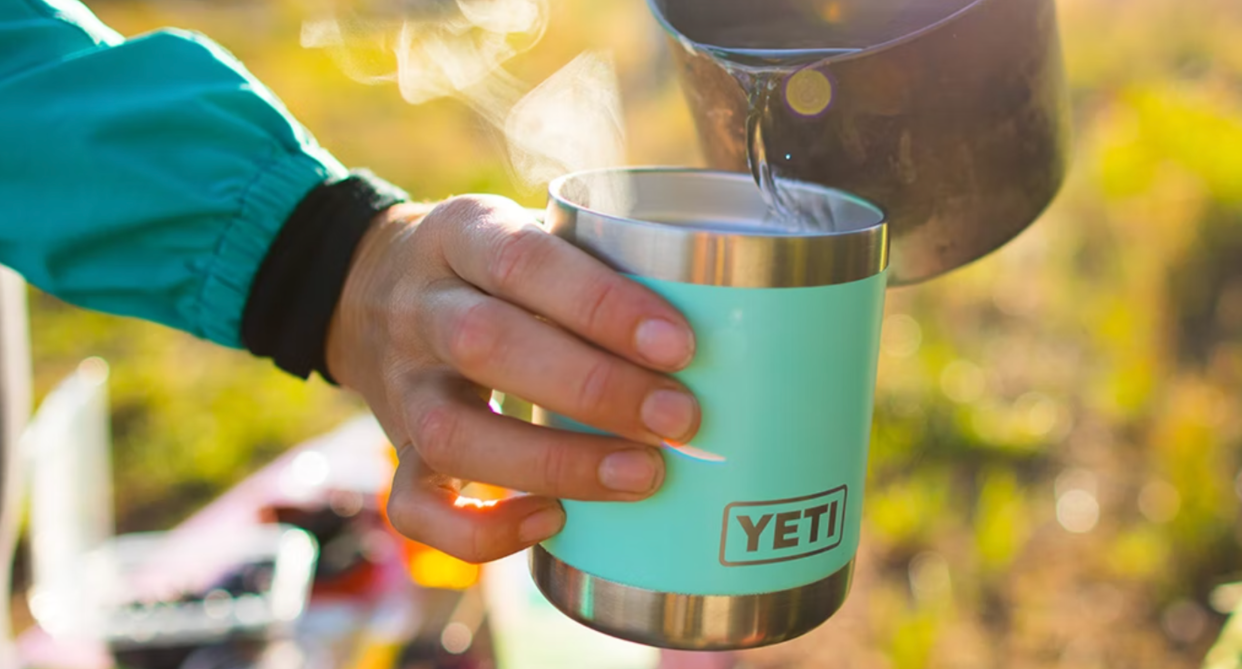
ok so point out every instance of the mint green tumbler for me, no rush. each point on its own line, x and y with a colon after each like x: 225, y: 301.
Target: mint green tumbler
x: 751, y: 540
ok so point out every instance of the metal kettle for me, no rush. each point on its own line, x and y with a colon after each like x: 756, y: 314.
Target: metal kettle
x: 952, y: 115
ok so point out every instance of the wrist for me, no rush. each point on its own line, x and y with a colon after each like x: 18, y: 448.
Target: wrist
x: 299, y: 283
x: 352, y: 335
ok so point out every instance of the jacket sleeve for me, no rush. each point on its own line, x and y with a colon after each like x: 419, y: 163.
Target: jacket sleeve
x: 144, y: 177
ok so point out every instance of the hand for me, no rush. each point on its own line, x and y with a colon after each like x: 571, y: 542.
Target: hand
x: 441, y: 307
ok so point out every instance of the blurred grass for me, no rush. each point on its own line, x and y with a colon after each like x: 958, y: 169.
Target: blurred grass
x: 1087, y: 377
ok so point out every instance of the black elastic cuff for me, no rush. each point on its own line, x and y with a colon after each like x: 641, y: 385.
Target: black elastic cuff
x: 300, y: 281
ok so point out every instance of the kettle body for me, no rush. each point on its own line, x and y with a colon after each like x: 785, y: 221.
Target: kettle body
x: 951, y: 115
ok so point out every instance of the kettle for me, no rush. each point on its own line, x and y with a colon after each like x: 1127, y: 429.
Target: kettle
x: 951, y: 115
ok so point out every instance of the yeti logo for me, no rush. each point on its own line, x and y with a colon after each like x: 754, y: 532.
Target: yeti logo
x: 787, y: 529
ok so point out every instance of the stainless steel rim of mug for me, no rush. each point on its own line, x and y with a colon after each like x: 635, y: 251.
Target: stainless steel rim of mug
x: 688, y: 622
x: 673, y: 248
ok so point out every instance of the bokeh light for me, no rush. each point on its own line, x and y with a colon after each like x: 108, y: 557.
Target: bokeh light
x: 963, y: 382
x: 809, y: 92
x: 902, y: 336
x: 1159, y: 502
x: 1184, y: 621
x: 456, y: 638
x: 929, y: 576
x: 1078, y: 511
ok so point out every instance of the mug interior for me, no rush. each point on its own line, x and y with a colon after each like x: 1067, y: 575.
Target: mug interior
x: 712, y: 201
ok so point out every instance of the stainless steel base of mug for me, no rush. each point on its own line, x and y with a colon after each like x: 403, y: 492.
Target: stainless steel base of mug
x: 688, y: 622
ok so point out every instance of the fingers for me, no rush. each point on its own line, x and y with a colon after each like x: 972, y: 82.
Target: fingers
x: 455, y: 437
x: 447, y: 306
x: 498, y: 345
x: 506, y: 254
x: 458, y: 436
x: 426, y: 507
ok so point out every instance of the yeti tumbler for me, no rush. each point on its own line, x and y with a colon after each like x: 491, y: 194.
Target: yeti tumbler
x: 751, y: 540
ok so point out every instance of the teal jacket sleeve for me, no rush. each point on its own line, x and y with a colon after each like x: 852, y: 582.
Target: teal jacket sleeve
x: 145, y: 177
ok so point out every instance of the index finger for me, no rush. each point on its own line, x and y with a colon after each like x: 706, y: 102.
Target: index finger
x: 505, y: 253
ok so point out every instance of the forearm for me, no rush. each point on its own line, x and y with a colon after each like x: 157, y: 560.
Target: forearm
x: 143, y: 177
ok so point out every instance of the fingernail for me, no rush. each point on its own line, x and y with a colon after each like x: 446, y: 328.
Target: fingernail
x: 629, y: 471
x: 541, y: 525
x: 664, y: 343
x: 669, y: 414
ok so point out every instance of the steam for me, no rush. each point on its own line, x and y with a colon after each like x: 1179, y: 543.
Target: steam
x: 441, y: 47
x: 458, y: 48
x: 571, y: 123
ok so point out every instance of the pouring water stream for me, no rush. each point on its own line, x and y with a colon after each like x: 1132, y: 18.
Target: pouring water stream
x: 763, y: 75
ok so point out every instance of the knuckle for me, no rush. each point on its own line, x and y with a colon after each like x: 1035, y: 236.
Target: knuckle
x: 600, y: 295
x: 593, y: 390
x: 475, y: 337
x: 403, y: 310
x: 406, y: 519
x: 557, y: 468
x: 397, y: 373
x: 517, y: 253
x: 480, y: 545
x: 452, y: 218
x: 429, y: 227
x: 420, y: 313
x: 432, y: 228
x: 460, y: 211
x: 435, y: 436
x: 474, y: 542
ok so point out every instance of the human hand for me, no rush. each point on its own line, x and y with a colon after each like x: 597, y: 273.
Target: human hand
x: 441, y: 306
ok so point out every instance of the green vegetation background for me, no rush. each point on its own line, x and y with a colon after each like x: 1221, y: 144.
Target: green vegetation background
x: 1088, y: 377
